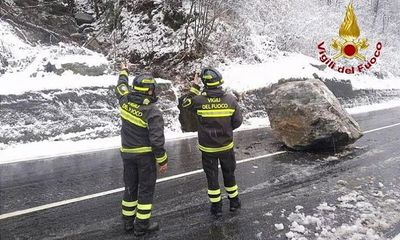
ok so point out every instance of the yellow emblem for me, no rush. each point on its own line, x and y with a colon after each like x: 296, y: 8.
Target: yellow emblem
x: 349, y: 44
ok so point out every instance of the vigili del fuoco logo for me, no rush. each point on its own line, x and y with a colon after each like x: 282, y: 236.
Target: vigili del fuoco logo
x: 349, y: 45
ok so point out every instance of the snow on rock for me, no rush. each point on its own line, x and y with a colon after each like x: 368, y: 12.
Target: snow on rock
x: 295, y: 227
x: 298, y: 208
x: 269, y: 214
x: 342, y: 182
x: 279, y: 226
x: 325, y: 207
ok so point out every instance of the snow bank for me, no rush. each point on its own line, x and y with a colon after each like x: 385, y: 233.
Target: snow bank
x: 369, y: 217
x: 25, y: 68
x: 374, y: 107
x: 47, y: 149
x: 243, y: 77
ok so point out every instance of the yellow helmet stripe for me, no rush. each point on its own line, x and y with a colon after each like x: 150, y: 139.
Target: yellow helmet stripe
x: 148, y: 81
x: 142, y: 89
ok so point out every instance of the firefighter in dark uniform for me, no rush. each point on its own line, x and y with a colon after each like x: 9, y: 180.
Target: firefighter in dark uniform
x: 218, y: 114
x: 142, y: 135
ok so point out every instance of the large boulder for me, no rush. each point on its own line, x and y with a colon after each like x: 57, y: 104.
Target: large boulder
x: 305, y: 115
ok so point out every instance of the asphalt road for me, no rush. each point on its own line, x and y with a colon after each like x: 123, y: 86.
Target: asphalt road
x: 271, y: 188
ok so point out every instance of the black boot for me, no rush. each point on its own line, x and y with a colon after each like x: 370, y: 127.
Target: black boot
x: 216, y: 209
x: 235, y: 204
x: 143, y: 227
x: 129, y: 224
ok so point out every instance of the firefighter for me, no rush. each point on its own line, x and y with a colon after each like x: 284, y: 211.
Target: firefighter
x: 218, y: 114
x: 142, y: 136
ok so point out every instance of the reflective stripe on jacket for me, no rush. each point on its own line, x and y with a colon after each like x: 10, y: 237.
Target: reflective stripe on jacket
x: 142, y: 128
x: 218, y: 114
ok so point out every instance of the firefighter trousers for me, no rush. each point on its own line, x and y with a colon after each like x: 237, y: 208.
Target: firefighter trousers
x: 228, y: 166
x: 140, y: 175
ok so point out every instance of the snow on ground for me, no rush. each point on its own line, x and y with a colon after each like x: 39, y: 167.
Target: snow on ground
x: 369, y: 215
x: 374, y: 107
x: 242, y: 77
x: 45, y: 149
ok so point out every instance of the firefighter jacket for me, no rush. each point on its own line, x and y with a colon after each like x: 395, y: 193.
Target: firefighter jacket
x: 142, y: 128
x: 218, y: 114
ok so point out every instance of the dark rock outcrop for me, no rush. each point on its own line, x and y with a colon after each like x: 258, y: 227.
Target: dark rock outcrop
x: 83, y: 18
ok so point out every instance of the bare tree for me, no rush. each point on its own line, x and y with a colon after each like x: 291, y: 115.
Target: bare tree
x: 96, y: 7
x: 202, y: 22
x: 71, y: 5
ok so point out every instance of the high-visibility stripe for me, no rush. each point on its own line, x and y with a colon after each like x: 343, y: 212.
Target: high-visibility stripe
x: 232, y: 195
x: 128, y: 213
x: 216, y: 199
x: 231, y: 189
x: 187, y: 102
x: 143, y: 216
x: 132, y: 119
x: 215, y: 83
x: 216, y: 112
x: 214, y: 192
x: 124, y: 73
x: 144, y: 206
x: 142, y: 89
x: 124, y: 92
x: 148, y: 81
x: 219, y: 149
x: 136, y: 150
x: 129, y: 204
x: 195, y: 91
x: 208, y: 77
x: 162, y: 159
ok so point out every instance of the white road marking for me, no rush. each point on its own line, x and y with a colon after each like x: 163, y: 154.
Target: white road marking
x: 96, y: 195
x: 378, y: 129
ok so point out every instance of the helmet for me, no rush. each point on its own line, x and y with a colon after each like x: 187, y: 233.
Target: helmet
x: 144, y: 82
x: 211, y: 78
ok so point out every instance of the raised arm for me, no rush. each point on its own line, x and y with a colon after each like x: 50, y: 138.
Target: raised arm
x: 194, y: 91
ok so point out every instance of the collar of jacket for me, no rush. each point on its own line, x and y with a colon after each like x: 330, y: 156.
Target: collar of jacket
x: 142, y: 99
x: 214, y: 92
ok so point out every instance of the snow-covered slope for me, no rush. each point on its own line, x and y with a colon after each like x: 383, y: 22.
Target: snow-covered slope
x: 44, y: 105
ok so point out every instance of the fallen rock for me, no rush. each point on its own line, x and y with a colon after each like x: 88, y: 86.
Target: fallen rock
x: 83, y: 69
x: 305, y: 115
x: 83, y: 18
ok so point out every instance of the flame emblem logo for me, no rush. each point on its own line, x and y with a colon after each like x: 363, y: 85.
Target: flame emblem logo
x: 349, y: 44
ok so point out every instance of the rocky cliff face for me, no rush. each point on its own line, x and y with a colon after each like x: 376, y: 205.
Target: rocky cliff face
x: 44, y: 22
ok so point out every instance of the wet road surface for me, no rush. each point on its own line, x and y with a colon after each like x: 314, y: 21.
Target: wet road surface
x: 271, y: 188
